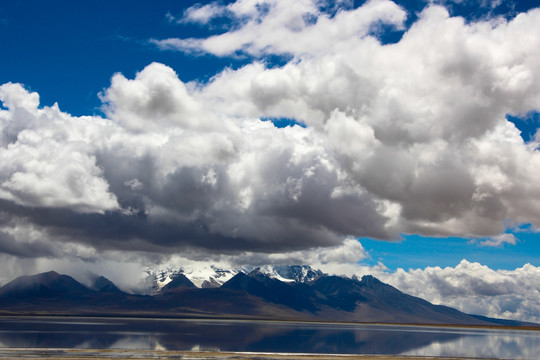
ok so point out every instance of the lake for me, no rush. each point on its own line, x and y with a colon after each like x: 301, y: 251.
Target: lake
x: 265, y: 336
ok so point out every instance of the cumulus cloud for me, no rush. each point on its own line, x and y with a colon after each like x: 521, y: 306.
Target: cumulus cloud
x: 470, y: 287
x: 424, y: 131
x: 476, y: 289
x: 155, y: 100
x: 152, y: 178
x: 404, y: 138
x: 47, y: 157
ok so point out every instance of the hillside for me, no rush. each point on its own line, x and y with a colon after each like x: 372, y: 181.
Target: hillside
x: 254, y: 295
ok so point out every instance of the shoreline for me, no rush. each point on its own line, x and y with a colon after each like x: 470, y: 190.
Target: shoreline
x: 248, y: 319
x: 103, y: 354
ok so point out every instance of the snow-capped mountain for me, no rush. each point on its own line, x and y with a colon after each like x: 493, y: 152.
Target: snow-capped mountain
x: 212, y: 276
x: 291, y: 273
x: 208, y: 276
x: 158, y: 278
x: 254, y: 295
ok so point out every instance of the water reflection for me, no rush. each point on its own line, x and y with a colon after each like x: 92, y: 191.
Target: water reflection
x: 259, y: 336
x: 487, y: 344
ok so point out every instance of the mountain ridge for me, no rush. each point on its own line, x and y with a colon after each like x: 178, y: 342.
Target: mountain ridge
x: 253, y: 295
x: 47, y: 284
x: 102, y: 284
x: 213, y: 276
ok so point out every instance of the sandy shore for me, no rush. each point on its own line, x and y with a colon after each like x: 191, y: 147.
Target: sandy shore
x: 78, y: 354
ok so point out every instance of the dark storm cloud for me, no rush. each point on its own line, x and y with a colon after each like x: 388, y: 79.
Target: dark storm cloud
x: 137, y: 232
x: 30, y: 249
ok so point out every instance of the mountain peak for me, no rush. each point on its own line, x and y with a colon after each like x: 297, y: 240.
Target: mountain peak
x: 258, y: 294
x: 48, y: 276
x: 180, y: 281
x: 370, y: 280
x: 102, y: 284
x: 49, y: 273
x: 213, y: 276
x: 47, y: 284
x: 377, y: 287
x: 240, y: 281
x: 291, y: 273
x: 207, y: 276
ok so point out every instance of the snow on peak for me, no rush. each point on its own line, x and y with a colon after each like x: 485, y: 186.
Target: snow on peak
x: 207, y: 276
x: 211, y: 276
x: 202, y: 276
x: 291, y: 273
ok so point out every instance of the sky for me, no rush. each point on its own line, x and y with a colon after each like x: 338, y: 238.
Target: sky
x: 393, y: 138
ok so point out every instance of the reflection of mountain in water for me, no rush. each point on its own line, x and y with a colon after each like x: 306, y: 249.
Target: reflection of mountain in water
x: 330, y: 341
x: 57, y: 333
x: 512, y: 345
x: 213, y: 335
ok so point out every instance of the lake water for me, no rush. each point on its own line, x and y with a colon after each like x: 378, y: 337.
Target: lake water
x: 265, y: 336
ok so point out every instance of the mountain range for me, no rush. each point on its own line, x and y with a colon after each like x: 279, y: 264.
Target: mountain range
x: 213, y: 276
x: 285, y: 293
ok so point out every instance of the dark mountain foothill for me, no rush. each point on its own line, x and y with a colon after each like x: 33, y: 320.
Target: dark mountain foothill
x: 295, y: 296
x: 104, y: 285
x: 45, y: 285
x: 180, y: 281
x: 256, y: 295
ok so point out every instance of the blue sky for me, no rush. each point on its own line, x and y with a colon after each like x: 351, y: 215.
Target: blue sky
x: 419, y: 252
x: 68, y: 53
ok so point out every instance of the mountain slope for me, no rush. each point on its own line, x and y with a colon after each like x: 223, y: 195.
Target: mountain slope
x: 180, y: 281
x: 374, y: 301
x: 344, y: 299
x: 253, y: 295
x: 103, y: 285
x: 49, y: 284
x: 272, y: 290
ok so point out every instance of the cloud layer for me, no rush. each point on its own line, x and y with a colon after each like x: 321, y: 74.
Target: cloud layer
x: 476, y: 289
x: 404, y: 138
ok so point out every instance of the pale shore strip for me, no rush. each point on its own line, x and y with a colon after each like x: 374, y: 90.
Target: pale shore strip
x: 81, y: 354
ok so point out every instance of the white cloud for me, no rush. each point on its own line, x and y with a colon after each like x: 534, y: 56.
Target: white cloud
x: 163, y: 160
x: 278, y: 26
x: 155, y: 100
x: 470, y: 287
x: 491, y: 4
x: 202, y: 13
x: 440, y: 147
x: 403, y: 138
x: 348, y: 253
x: 498, y: 240
x: 476, y: 289
x: 47, y: 158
